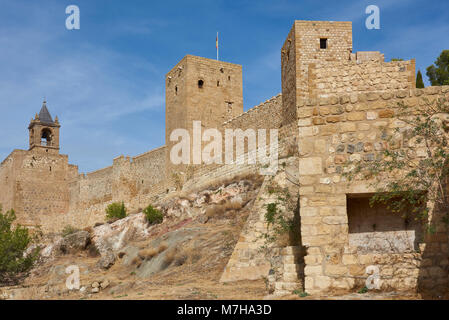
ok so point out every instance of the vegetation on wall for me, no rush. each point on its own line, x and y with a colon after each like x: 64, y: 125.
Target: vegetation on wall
x: 15, y: 260
x: 280, y: 218
x: 410, y: 174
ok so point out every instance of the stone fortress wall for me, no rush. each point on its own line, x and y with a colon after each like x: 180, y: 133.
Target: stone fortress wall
x: 340, y: 243
x: 138, y: 181
x: 35, y: 185
x: 360, y: 76
x: 135, y: 181
x: 333, y: 106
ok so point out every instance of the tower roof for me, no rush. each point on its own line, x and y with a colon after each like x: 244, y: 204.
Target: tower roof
x: 44, y: 115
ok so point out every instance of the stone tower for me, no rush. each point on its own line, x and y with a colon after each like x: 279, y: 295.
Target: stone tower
x: 44, y: 132
x: 35, y: 182
x: 201, y: 89
x: 310, y: 42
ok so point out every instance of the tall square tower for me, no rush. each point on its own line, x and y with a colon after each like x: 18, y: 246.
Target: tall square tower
x: 200, y: 89
x: 307, y: 43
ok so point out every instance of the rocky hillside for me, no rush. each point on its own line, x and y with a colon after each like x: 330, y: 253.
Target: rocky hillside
x: 181, y: 258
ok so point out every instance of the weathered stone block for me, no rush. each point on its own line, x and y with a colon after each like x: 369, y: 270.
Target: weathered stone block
x: 310, y: 166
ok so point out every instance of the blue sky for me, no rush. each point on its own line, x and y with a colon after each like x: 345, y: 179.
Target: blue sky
x: 106, y: 81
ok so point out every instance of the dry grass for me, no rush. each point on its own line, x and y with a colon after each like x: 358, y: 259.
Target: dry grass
x: 147, y: 254
x: 218, y: 210
x: 162, y: 247
x: 89, y: 229
x: 215, y: 210
x: 137, y: 261
x: 179, y: 257
x: 170, y: 256
x: 234, y: 204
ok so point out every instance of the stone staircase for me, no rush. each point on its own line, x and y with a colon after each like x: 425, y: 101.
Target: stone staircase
x: 290, y: 272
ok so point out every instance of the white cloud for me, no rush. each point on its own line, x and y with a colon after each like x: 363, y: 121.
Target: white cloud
x: 86, y: 85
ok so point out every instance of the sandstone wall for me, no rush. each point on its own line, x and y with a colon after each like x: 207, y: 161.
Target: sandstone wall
x: 333, y: 130
x: 250, y: 259
x: 36, y: 184
x: 331, y: 78
x: 200, y: 89
x: 137, y: 181
x: 7, y: 176
x: 268, y: 115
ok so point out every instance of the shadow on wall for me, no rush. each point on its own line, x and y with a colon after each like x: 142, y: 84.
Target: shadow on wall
x: 433, y: 272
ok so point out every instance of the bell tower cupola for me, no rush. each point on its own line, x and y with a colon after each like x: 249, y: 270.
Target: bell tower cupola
x: 44, y: 131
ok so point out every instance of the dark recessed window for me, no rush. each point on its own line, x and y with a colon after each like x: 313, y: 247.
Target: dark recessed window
x: 200, y: 83
x: 176, y: 90
x: 218, y: 83
x: 323, y: 43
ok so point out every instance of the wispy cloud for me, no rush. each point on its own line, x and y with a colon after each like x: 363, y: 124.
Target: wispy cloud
x: 86, y: 85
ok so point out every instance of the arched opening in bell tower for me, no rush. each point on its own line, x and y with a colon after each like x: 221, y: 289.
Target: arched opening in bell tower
x: 46, y: 137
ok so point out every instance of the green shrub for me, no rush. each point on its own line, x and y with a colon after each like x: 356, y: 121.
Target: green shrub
x: 115, y: 211
x: 153, y: 215
x: 14, y: 241
x: 68, y: 230
x: 300, y: 293
x: 363, y: 290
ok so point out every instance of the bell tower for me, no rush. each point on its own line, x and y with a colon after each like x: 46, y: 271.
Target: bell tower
x: 44, y: 132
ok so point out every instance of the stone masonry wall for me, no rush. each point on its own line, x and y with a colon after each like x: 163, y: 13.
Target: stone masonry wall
x: 350, y: 127
x: 137, y: 181
x: 327, y: 79
x: 36, y: 185
x: 7, y: 176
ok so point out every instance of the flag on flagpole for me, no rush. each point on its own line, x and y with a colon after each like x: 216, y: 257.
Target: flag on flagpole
x: 216, y: 44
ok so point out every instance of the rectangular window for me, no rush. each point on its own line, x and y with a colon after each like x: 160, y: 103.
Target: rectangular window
x: 323, y: 43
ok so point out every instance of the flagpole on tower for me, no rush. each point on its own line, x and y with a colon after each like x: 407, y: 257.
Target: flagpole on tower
x: 216, y: 44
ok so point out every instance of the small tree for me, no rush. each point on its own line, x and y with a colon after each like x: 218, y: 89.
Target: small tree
x: 419, y: 80
x: 153, y: 215
x: 439, y: 73
x: 413, y: 177
x: 14, y: 242
x: 116, y: 211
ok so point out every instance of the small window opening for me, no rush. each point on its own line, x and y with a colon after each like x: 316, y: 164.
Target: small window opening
x: 46, y: 137
x: 176, y: 90
x: 229, y: 77
x: 323, y: 43
x: 221, y: 70
x: 229, y: 106
x: 200, y: 83
x: 218, y: 83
